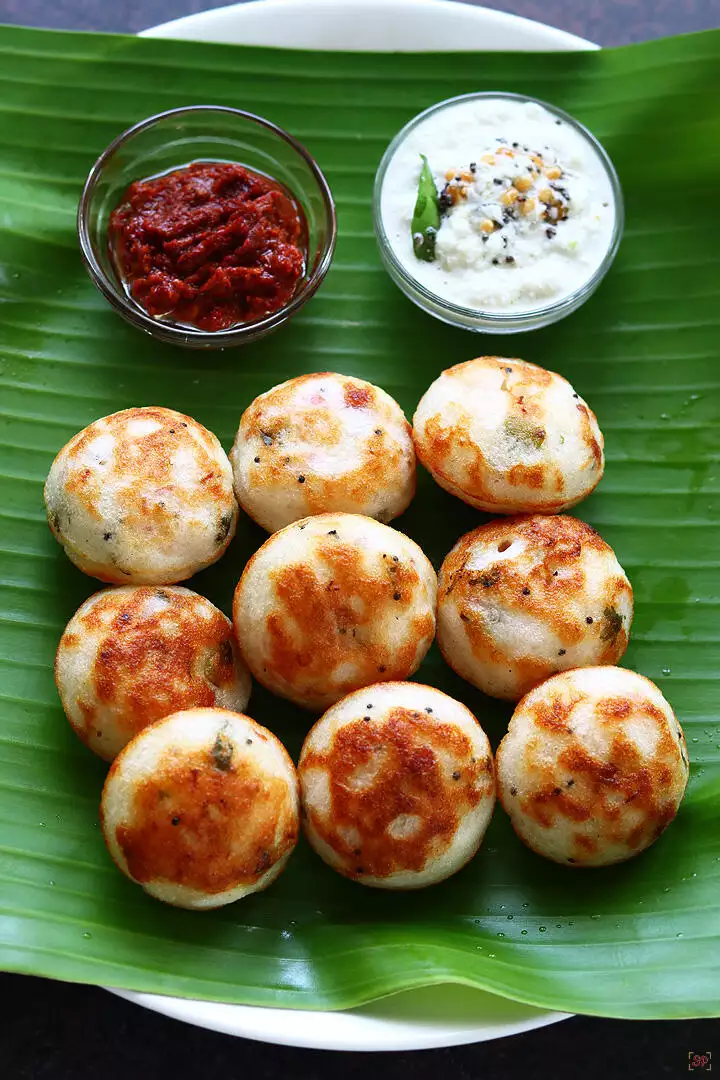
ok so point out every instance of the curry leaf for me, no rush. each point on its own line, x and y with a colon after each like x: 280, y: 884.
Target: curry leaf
x: 524, y: 431
x: 426, y: 215
x: 222, y: 752
x: 611, y: 624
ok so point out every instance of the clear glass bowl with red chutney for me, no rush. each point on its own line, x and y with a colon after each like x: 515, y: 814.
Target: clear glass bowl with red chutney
x: 207, y: 226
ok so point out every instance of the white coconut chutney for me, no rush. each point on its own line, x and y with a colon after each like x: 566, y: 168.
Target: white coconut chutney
x: 526, y: 200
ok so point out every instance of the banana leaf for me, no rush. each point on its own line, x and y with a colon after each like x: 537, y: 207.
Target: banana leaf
x: 637, y: 940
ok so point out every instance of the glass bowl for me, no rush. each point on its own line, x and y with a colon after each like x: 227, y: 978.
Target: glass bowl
x: 490, y: 320
x: 170, y: 140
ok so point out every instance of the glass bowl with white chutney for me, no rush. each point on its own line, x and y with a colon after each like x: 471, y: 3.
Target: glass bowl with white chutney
x: 497, y: 212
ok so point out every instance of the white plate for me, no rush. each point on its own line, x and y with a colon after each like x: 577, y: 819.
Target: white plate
x: 372, y: 25
x: 442, y: 1015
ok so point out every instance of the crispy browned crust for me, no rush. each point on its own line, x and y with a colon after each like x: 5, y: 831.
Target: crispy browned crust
x: 578, y: 786
x: 149, y: 463
x: 410, y: 765
x: 546, y: 592
x: 377, y: 468
x: 150, y: 666
x: 205, y: 822
x: 141, y: 463
x: 316, y: 626
x: 441, y: 441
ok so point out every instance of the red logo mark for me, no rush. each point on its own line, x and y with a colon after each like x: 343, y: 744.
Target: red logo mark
x: 699, y: 1061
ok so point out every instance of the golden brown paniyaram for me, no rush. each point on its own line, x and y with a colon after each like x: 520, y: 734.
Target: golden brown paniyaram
x: 593, y: 767
x: 397, y: 785
x: 508, y: 437
x: 132, y: 655
x: 201, y: 808
x: 142, y: 497
x: 524, y: 597
x: 323, y: 443
x: 332, y: 603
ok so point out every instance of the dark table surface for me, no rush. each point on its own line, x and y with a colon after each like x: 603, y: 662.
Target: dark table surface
x: 53, y: 1031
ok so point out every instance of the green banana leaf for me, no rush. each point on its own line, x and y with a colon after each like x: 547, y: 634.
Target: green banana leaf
x: 637, y: 940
